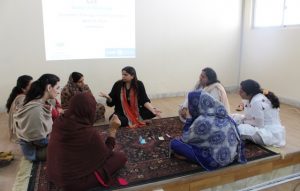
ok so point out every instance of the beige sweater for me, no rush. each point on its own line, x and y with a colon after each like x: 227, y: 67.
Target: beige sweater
x: 33, y: 121
x: 16, y: 105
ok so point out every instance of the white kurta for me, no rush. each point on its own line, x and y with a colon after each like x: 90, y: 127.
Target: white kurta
x: 262, y: 119
x: 217, y: 91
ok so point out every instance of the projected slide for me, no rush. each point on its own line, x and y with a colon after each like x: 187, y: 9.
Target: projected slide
x: 89, y: 29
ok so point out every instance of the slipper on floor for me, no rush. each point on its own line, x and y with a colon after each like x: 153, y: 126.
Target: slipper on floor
x: 5, y: 158
x: 240, y: 107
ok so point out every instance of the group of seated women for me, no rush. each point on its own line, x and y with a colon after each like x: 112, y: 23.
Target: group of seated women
x: 212, y: 137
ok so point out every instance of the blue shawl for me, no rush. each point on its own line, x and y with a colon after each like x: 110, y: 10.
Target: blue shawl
x: 211, y: 132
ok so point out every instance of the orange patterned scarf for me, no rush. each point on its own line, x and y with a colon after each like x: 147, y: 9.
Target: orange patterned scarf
x: 131, y: 110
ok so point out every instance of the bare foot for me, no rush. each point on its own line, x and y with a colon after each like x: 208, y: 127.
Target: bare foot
x: 180, y: 157
x: 240, y: 107
x: 148, y: 121
x: 114, y: 124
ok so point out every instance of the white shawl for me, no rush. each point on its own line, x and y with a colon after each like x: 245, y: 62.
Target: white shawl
x: 217, y: 91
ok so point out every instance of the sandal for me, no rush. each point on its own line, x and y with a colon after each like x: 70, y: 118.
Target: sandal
x: 6, y: 158
x: 240, y: 107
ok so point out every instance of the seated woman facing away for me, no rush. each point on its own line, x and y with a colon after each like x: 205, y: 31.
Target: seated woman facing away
x: 76, y: 85
x: 210, y: 137
x: 130, y: 99
x: 16, y: 101
x: 78, y: 158
x: 208, y: 81
x: 33, y: 121
x: 260, y: 122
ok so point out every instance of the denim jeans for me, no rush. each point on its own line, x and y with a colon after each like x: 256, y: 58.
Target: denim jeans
x: 30, y: 148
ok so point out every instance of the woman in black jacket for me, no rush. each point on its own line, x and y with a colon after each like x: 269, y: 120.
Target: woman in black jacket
x: 132, y: 105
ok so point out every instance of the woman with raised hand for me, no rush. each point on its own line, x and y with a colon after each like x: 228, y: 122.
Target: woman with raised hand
x: 261, y: 121
x: 78, y: 157
x: 208, y: 81
x: 210, y: 137
x: 33, y: 121
x: 74, y: 86
x: 16, y: 100
x: 132, y: 105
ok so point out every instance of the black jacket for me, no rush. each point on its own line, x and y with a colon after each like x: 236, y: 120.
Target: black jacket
x: 142, y: 98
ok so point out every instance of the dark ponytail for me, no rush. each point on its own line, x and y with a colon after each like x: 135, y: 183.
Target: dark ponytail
x: 273, y: 98
x: 22, y: 83
x: 251, y: 88
x: 39, y: 86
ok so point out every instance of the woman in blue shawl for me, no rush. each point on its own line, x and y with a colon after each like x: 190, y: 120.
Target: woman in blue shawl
x: 210, y: 137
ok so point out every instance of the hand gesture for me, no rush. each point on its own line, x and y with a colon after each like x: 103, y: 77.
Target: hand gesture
x: 60, y: 110
x: 183, y: 113
x: 114, y: 124
x: 157, y: 112
x: 102, y: 94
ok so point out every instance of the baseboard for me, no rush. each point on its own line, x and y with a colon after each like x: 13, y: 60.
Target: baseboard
x: 2, y: 109
x: 289, y: 101
x: 232, y: 89
x: 229, y: 89
x: 285, y: 100
x: 167, y: 95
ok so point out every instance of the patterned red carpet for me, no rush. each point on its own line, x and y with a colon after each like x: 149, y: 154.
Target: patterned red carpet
x: 147, y: 162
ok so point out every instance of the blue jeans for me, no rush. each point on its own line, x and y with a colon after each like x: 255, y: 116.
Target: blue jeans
x: 29, y: 149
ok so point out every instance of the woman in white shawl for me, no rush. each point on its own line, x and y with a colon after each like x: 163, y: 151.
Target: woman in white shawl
x: 33, y: 121
x: 260, y: 122
x: 15, y: 101
x: 208, y: 81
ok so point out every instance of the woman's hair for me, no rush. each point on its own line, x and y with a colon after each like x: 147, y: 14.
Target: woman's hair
x: 76, y: 76
x: 39, y: 86
x: 130, y: 70
x: 22, y: 83
x: 211, y: 76
x: 251, y: 88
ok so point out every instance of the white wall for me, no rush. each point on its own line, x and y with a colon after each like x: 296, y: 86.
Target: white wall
x: 272, y: 57
x: 175, y: 39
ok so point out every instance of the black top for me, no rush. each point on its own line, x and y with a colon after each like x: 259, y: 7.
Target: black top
x: 115, y: 95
